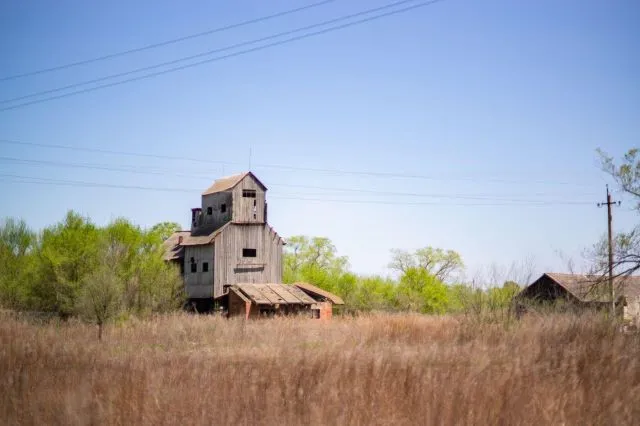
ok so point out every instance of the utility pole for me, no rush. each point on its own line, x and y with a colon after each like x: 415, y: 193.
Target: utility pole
x: 609, y: 203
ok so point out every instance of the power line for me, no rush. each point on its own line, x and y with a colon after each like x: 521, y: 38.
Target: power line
x: 339, y: 190
x: 231, y: 55
x: 62, y: 182
x: 59, y: 182
x: 168, y: 42
x: 434, y: 203
x: 208, y: 52
x: 126, y: 169
x: 285, y: 167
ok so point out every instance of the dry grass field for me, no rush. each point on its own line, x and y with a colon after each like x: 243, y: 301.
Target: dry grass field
x: 391, y: 370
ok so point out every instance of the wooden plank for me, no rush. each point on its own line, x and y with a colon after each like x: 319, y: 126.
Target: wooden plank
x: 271, y: 294
x: 284, y: 294
x: 304, y: 297
x: 254, y: 294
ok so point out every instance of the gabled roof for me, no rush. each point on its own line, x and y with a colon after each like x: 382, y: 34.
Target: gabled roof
x: 173, y: 250
x: 272, y: 294
x: 593, y: 288
x: 174, y: 245
x: 317, y: 291
x: 227, y: 183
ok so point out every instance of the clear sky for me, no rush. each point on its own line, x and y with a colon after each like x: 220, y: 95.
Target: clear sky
x: 488, y: 101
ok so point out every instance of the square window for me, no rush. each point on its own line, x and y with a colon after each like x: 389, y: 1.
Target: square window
x: 249, y: 193
x: 209, y: 210
x: 248, y: 252
x: 205, y: 266
x: 223, y: 208
x: 194, y: 267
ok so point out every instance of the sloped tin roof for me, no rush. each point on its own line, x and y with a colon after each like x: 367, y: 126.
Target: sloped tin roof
x: 272, y: 294
x: 309, y: 288
x: 593, y: 288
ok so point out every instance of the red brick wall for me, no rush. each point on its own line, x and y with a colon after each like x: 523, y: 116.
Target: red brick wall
x: 326, y: 310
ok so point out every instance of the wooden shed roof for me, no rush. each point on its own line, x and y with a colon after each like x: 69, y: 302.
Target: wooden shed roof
x: 229, y: 182
x: 272, y: 294
x: 589, y: 288
x: 317, y: 291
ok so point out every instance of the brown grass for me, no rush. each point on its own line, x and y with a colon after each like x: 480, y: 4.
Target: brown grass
x: 373, y: 370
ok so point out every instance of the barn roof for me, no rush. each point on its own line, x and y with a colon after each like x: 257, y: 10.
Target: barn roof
x: 174, y: 246
x: 229, y: 182
x: 272, y: 294
x: 173, y: 250
x: 317, y: 291
x: 585, y: 287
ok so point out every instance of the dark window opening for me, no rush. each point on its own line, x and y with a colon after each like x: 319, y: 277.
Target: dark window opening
x: 315, y: 313
x: 209, y: 210
x: 254, y: 216
x: 223, y: 208
x: 255, y: 203
x: 249, y: 193
x: 194, y: 267
x: 247, y: 252
x: 205, y: 266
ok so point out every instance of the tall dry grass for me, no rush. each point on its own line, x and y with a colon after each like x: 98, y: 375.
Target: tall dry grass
x: 391, y: 370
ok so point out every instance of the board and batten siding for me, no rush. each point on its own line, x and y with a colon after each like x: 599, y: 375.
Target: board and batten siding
x: 232, y: 268
x: 244, y: 208
x: 199, y: 284
x: 217, y: 218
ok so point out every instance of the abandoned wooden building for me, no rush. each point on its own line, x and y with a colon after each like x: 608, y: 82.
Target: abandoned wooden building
x: 583, y: 292
x: 232, y: 256
x: 252, y: 300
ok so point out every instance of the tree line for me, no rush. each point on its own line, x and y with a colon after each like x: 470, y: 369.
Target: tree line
x: 426, y: 280
x: 75, y: 268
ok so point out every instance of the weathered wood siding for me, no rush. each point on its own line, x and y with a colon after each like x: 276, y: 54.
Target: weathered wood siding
x: 246, y: 209
x: 217, y: 218
x: 232, y: 268
x: 199, y: 284
x: 238, y: 307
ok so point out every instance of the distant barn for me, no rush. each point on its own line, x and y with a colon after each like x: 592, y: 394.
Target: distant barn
x: 232, y: 257
x: 583, y: 292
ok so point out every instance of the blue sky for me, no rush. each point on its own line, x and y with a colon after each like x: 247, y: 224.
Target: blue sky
x: 498, y: 99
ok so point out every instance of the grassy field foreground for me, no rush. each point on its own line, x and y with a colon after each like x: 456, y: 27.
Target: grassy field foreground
x: 371, y: 370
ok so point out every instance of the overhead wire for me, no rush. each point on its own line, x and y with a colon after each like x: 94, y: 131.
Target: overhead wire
x: 168, y: 42
x: 163, y: 172
x: 349, y: 191
x: 234, y: 54
x: 208, y: 52
x: 62, y: 182
x: 365, y: 173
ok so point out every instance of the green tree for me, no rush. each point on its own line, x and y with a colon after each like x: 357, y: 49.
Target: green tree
x: 421, y: 291
x: 17, y: 266
x: 306, y: 256
x: 165, y: 229
x: 438, y: 262
x: 627, y: 173
x: 100, y: 297
x: 149, y: 283
x: 626, y: 245
x: 68, y: 253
